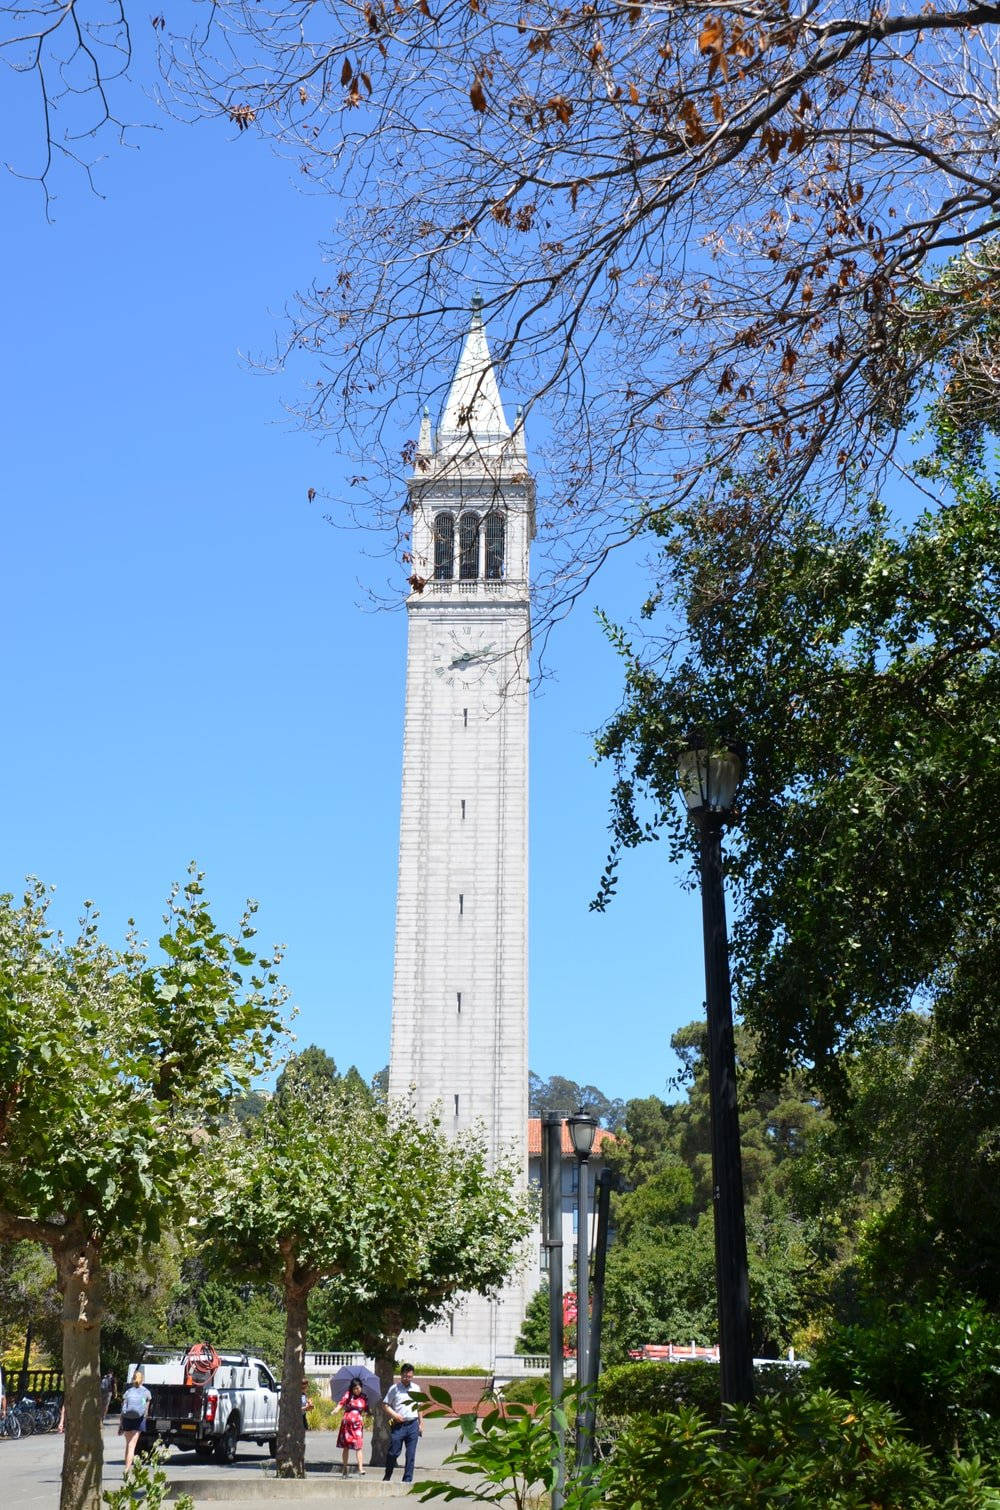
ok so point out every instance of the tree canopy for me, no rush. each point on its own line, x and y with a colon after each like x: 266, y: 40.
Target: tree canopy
x: 115, y: 1072
x: 331, y: 1184
x: 710, y: 235
x: 557, y: 1094
x: 858, y: 664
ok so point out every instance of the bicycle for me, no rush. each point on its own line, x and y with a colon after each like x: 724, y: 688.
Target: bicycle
x: 10, y: 1425
x: 46, y: 1416
x: 24, y: 1410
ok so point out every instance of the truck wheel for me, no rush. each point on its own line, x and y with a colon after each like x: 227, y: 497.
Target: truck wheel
x: 225, y: 1449
x: 204, y: 1454
x: 272, y: 1446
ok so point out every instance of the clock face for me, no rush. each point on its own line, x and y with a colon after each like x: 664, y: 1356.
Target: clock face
x: 462, y: 655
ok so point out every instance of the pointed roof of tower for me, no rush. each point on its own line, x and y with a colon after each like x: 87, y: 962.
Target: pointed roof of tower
x: 473, y: 417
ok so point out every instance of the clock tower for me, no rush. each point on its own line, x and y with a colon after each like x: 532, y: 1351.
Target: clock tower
x: 460, y: 993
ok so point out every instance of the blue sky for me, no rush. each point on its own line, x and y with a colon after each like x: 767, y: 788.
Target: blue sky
x: 192, y: 670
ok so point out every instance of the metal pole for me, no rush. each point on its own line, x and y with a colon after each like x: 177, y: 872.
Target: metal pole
x: 732, y: 1281
x: 605, y: 1183
x: 583, y: 1381
x: 23, y: 1389
x: 552, y: 1194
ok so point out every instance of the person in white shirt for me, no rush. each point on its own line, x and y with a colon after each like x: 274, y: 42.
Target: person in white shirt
x: 401, y: 1409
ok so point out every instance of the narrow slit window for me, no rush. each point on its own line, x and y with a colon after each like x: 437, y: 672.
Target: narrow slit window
x: 456, y: 1106
x: 461, y: 905
x: 468, y: 547
x: 444, y: 547
x: 459, y: 995
x: 463, y: 807
x: 494, y: 530
x: 465, y: 718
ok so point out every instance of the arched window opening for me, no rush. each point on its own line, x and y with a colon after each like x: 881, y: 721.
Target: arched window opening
x: 444, y: 547
x: 494, y: 530
x: 468, y: 547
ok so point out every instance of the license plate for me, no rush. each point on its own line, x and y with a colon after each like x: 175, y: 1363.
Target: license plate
x: 163, y: 1425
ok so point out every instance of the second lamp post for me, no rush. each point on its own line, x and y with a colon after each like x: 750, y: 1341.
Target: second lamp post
x: 709, y: 775
x: 582, y: 1130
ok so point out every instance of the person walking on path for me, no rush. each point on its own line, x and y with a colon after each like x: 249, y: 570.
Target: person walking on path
x: 108, y: 1387
x: 401, y: 1409
x: 354, y: 1404
x: 135, y: 1404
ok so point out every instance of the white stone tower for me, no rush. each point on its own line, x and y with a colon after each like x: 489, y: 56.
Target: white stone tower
x: 460, y: 994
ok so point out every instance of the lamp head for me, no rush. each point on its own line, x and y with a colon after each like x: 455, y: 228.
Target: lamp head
x: 582, y: 1131
x: 709, y: 771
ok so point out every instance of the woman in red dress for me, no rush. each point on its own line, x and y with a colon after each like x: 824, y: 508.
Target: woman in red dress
x: 354, y: 1404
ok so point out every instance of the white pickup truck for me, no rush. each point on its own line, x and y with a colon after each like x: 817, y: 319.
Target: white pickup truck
x: 208, y: 1402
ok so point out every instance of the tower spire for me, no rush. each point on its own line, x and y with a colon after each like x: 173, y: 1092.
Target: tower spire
x: 473, y: 419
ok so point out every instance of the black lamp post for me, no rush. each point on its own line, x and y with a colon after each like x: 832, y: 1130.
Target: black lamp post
x: 552, y: 1208
x: 582, y: 1130
x: 709, y: 775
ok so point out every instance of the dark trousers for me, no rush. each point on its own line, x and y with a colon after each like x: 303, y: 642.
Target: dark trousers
x: 404, y: 1435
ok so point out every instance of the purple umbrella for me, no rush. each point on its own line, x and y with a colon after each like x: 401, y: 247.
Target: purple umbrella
x: 345, y: 1377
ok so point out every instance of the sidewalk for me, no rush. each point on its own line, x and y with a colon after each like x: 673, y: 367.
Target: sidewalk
x: 30, y: 1471
x: 254, y: 1484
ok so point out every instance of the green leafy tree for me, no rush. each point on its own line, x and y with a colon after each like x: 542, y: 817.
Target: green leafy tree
x: 212, y: 1308
x: 534, y: 1334
x: 115, y: 1073
x: 901, y: 1188
x: 312, y: 1071
x: 398, y: 1219
x: 859, y: 663
x: 661, y: 1268
x: 557, y: 1094
x: 465, y: 1236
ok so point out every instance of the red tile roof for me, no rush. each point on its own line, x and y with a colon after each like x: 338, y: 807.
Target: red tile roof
x: 601, y: 1137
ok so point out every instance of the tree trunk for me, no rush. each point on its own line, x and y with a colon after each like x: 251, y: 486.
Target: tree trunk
x: 384, y: 1353
x: 78, y: 1264
x: 291, y: 1452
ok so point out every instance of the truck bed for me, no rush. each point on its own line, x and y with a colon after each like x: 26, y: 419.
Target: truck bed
x: 176, y: 1402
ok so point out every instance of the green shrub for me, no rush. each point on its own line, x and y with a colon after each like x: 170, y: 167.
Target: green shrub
x: 434, y: 1371
x: 937, y: 1364
x: 324, y: 1416
x: 525, y: 1391
x: 815, y: 1451
x: 642, y: 1389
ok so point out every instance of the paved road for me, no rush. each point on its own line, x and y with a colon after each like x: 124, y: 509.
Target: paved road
x: 29, y: 1474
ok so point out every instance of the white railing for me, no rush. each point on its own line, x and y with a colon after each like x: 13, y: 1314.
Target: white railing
x: 320, y: 1365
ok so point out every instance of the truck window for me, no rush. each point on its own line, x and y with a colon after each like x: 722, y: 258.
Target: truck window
x: 264, y: 1379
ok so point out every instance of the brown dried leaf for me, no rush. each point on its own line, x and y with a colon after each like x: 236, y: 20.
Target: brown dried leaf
x: 694, y: 133
x: 477, y: 97
x: 710, y: 38
x: 345, y: 73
